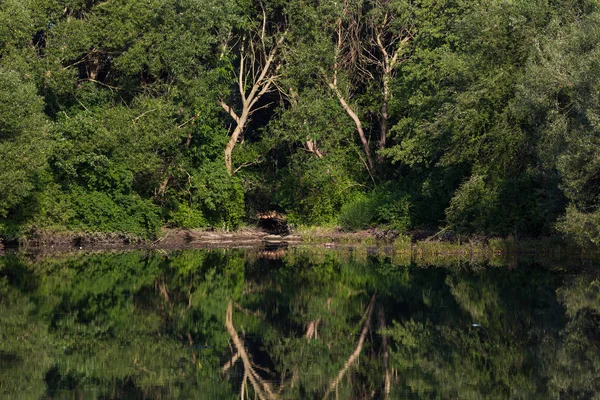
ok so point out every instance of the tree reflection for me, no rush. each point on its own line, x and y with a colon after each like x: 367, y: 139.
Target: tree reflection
x: 305, y: 324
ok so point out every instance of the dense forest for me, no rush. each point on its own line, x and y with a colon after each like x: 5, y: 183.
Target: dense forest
x: 478, y: 116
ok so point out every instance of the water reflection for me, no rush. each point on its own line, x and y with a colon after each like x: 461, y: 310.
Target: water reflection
x: 295, y: 323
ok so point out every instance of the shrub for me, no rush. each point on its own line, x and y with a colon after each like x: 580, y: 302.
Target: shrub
x: 473, y: 207
x: 313, y: 190
x: 187, y: 217
x: 584, y: 228
x: 396, y: 214
x: 99, y: 212
x: 357, y: 214
x: 393, y: 208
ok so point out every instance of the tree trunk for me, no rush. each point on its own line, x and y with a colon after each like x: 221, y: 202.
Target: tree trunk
x: 234, y: 138
x: 359, y: 128
x: 383, y: 118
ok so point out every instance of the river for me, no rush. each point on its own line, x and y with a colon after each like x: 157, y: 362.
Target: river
x: 297, y: 323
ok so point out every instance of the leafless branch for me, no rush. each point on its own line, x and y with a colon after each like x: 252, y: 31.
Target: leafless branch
x: 230, y: 111
x: 141, y: 115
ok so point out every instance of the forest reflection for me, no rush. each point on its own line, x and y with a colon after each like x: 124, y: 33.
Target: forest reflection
x: 296, y: 323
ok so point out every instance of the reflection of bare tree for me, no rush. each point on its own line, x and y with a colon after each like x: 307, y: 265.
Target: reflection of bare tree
x: 161, y: 285
x: 311, y: 331
x: 264, y: 390
x: 261, y: 388
x: 386, y: 354
x: 354, y: 356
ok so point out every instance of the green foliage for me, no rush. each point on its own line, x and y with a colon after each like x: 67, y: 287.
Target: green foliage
x: 16, y: 24
x: 393, y: 208
x: 583, y: 227
x: 98, y: 212
x: 358, y: 213
x: 389, y: 208
x: 561, y: 81
x: 23, y: 139
x: 473, y: 206
x: 313, y: 190
x: 187, y: 217
x: 216, y: 195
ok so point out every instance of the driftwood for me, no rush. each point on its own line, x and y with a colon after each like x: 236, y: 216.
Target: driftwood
x: 274, y: 224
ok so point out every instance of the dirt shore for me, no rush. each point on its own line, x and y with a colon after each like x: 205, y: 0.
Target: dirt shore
x: 255, y: 237
x: 168, y: 239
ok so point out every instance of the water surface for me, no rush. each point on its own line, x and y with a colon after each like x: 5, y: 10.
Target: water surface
x: 299, y: 323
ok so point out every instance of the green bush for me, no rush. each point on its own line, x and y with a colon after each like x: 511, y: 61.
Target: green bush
x: 357, y: 214
x: 187, y: 217
x: 473, y: 207
x: 99, y: 212
x: 312, y: 190
x: 582, y: 227
x: 396, y: 214
x: 384, y: 206
x: 393, y: 208
x: 218, y: 196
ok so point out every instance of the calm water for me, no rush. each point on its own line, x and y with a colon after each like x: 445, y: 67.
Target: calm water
x: 296, y: 324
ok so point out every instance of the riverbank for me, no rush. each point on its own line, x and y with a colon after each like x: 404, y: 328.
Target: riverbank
x: 167, y: 239
x: 418, y: 241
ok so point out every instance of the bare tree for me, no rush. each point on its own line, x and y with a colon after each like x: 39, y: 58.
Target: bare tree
x: 362, y: 42
x: 256, y: 76
x: 387, y: 49
x: 347, y: 55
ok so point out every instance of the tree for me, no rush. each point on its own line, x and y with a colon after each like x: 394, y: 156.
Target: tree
x: 23, y: 139
x: 389, y: 30
x: 560, y: 91
x: 256, y: 75
x: 368, y: 48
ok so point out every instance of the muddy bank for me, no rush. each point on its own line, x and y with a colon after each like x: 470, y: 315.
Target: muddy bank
x: 196, y: 238
x: 259, y: 238
x: 247, y: 237
x: 189, y: 238
x: 168, y: 239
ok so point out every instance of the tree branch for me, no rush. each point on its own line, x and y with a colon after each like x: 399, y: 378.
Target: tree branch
x: 230, y: 111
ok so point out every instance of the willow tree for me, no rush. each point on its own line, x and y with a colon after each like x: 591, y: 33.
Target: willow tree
x: 561, y: 88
